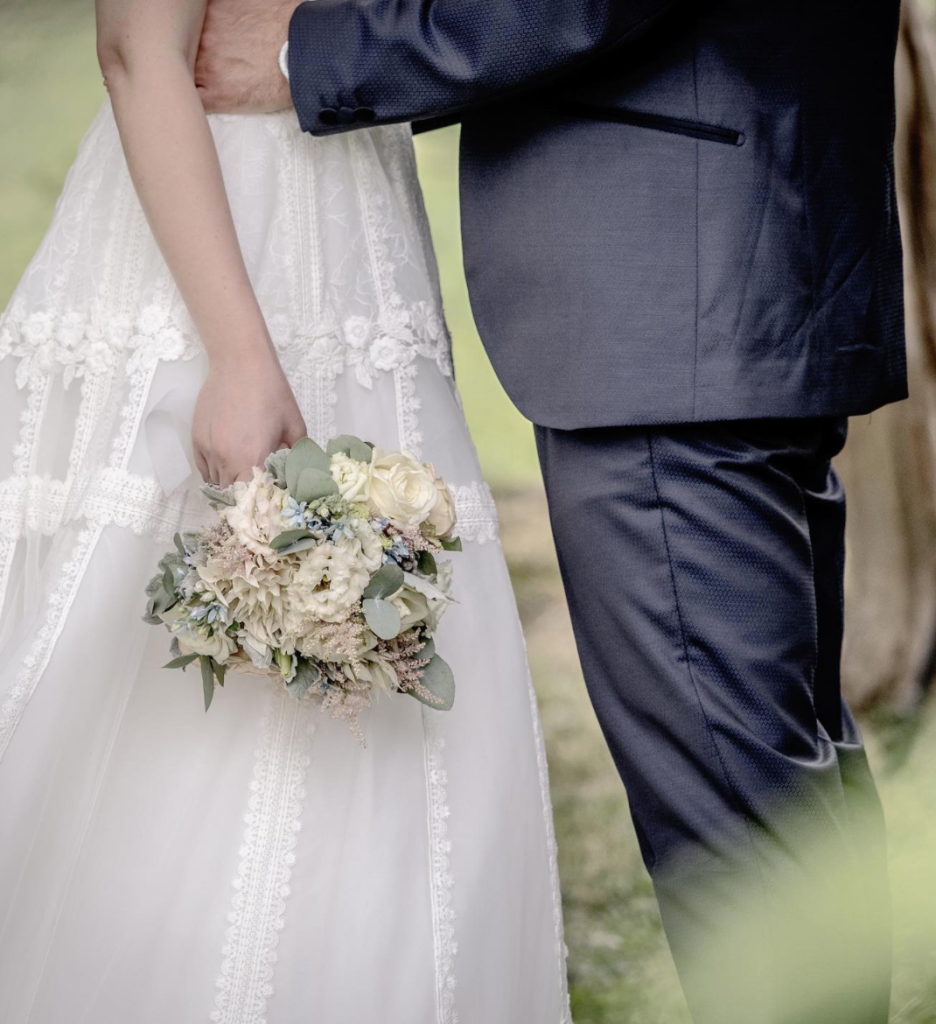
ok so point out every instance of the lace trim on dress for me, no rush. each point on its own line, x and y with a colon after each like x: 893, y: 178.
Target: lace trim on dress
x: 477, y: 513
x: 408, y: 405
x: 441, y: 881
x: 562, y: 950
x: 77, y: 344
x: 70, y: 575
x: 273, y: 822
x: 41, y: 504
x: 58, y: 604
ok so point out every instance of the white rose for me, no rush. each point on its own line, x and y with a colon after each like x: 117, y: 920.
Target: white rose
x: 329, y: 582
x: 401, y: 488
x: 352, y: 477
x: 443, y: 517
x: 436, y: 595
x: 258, y: 515
x: 220, y: 646
x: 412, y: 606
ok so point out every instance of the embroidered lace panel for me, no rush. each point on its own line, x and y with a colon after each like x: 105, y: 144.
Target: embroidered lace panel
x: 273, y: 822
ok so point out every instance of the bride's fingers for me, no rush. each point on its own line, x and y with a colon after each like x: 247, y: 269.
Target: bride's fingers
x: 214, y: 471
x: 202, y: 465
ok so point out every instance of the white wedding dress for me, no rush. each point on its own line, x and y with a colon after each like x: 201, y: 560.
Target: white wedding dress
x: 161, y: 865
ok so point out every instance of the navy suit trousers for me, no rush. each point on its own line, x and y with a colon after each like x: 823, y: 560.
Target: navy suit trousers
x: 703, y: 565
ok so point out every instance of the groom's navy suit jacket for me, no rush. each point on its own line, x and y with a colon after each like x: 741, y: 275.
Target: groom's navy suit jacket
x: 672, y: 211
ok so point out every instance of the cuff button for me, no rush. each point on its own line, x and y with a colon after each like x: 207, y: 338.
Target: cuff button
x: 345, y: 115
x: 365, y: 115
x: 329, y: 116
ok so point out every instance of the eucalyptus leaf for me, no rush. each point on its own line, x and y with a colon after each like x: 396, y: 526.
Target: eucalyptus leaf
x: 428, y: 649
x: 303, y: 455
x: 307, y: 675
x: 208, y: 683
x: 440, y: 682
x: 181, y: 662
x: 426, y: 563
x: 180, y: 547
x: 158, y: 601
x: 314, y: 484
x: 168, y: 581
x: 219, y: 671
x: 455, y: 544
x: 351, y: 446
x: 159, y: 604
x: 383, y: 618
x: 300, y: 545
x: 387, y: 580
x: 288, y: 537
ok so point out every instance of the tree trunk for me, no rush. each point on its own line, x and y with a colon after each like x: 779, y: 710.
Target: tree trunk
x: 889, y: 465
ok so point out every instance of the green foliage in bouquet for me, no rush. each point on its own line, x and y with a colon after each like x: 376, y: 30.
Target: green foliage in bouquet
x: 323, y: 572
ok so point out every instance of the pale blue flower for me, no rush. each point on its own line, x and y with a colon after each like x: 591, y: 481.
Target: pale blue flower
x: 294, y: 513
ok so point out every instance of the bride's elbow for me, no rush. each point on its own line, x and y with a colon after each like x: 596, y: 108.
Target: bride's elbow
x: 115, y: 58
x: 122, y: 61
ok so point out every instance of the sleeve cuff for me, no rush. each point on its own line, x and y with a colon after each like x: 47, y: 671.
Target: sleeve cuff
x: 284, y: 60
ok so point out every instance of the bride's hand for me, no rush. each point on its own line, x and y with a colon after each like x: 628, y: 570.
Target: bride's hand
x: 245, y: 411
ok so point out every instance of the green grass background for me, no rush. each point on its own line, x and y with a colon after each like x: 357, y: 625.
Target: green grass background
x: 620, y: 971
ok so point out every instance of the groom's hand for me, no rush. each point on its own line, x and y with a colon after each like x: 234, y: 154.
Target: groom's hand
x: 237, y: 69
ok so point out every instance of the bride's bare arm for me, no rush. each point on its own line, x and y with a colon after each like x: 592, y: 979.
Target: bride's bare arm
x: 147, y: 53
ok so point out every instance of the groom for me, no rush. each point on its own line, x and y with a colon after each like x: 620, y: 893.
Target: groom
x: 682, y: 245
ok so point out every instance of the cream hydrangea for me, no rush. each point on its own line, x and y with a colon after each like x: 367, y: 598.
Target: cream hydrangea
x: 257, y: 517
x: 402, y: 488
x: 352, y: 477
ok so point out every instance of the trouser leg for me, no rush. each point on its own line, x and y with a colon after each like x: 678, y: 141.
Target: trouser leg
x: 703, y: 567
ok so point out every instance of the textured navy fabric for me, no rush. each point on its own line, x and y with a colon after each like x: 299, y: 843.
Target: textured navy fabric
x: 672, y: 211
x: 703, y: 565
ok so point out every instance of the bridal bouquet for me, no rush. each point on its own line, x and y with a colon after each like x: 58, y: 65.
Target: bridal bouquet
x: 320, y: 572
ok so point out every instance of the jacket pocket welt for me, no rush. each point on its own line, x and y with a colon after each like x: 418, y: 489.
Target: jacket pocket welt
x: 656, y: 122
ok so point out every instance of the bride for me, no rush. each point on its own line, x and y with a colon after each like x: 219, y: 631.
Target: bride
x: 212, y: 289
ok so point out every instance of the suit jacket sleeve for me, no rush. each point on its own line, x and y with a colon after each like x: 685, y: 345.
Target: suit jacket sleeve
x: 358, y: 62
